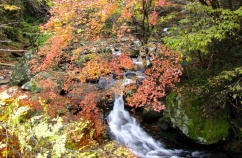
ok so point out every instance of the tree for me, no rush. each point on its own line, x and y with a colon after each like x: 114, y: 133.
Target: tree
x: 202, y: 30
x: 160, y: 78
x: 17, y: 29
x: 90, y: 21
x: 230, y: 4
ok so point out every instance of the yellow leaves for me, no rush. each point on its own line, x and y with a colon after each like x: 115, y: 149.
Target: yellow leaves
x: 10, y: 7
x: 94, y: 69
x: 5, y: 98
x: 105, y: 13
x: 104, y: 65
x: 9, y: 106
x: 116, y: 151
x: 80, y: 135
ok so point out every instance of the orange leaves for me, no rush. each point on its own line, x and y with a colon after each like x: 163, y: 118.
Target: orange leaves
x: 104, y: 65
x: 119, y: 64
x: 94, y: 69
x: 125, y: 62
x: 105, y: 9
x: 153, y: 18
x: 163, y: 74
x: 126, y: 13
x: 162, y: 3
x: 52, y: 50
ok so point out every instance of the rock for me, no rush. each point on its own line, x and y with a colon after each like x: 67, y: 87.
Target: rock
x: 45, y: 81
x: 129, y: 74
x: 4, y: 81
x: 82, y: 59
x: 163, y: 124
x: 184, y: 112
x: 138, y: 64
x: 105, y: 83
x: 137, y: 76
x: 78, y: 91
x: 21, y: 73
x: 102, y: 83
x: 151, y: 115
x: 131, y: 52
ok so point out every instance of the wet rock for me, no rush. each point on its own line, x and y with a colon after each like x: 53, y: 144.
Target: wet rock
x: 137, y: 76
x: 183, y: 111
x: 21, y: 73
x: 130, y: 74
x: 151, y: 115
x: 163, y: 124
x: 102, y: 83
x: 105, y: 83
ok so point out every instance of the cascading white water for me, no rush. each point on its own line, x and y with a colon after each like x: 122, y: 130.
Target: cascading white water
x: 127, y: 131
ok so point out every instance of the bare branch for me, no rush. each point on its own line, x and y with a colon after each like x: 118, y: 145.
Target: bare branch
x: 9, y: 50
x: 5, y: 25
x: 4, y: 64
x: 5, y: 41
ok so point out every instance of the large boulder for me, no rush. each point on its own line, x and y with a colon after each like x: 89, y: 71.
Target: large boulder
x: 45, y: 81
x: 21, y: 73
x: 184, y: 112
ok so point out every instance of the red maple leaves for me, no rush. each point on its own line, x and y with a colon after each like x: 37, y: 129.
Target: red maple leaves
x: 163, y: 74
x: 153, y: 18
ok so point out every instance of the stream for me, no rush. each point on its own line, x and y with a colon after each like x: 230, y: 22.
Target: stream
x: 128, y: 132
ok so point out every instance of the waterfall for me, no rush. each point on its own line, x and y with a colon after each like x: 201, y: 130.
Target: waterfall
x: 127, y: 131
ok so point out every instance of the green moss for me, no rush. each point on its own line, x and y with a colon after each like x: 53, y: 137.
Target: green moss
x: 184, y: 111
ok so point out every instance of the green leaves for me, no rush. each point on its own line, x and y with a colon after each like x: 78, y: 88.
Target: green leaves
x: 201, y: 26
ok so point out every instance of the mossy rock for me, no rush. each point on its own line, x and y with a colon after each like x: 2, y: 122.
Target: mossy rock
x: 44, y: 81
x: 184, y: 112
x: 21, y: 72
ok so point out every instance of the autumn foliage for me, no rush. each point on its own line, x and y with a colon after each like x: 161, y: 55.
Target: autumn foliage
x: 102, y: 66
x: 91, y: 20
x: 163, y: 74
x: 73, y: 63
x: 73, y: 21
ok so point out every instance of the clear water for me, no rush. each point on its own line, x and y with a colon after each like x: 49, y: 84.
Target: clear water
x: 127, y: 131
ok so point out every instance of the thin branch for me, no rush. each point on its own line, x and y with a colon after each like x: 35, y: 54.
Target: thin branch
x: 5, y: 41
x: 9, y: 50
x: 4, y: 25
x: 237, y: 82
x: 203, y: 2
x: 4, y: 64
x: 6, y: 142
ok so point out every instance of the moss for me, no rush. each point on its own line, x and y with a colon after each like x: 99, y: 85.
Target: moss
x: 184, y: 111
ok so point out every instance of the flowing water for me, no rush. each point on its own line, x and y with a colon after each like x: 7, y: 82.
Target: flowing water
x: 127, y: 131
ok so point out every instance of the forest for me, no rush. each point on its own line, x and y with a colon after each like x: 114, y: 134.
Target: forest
x: 64, y: 62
